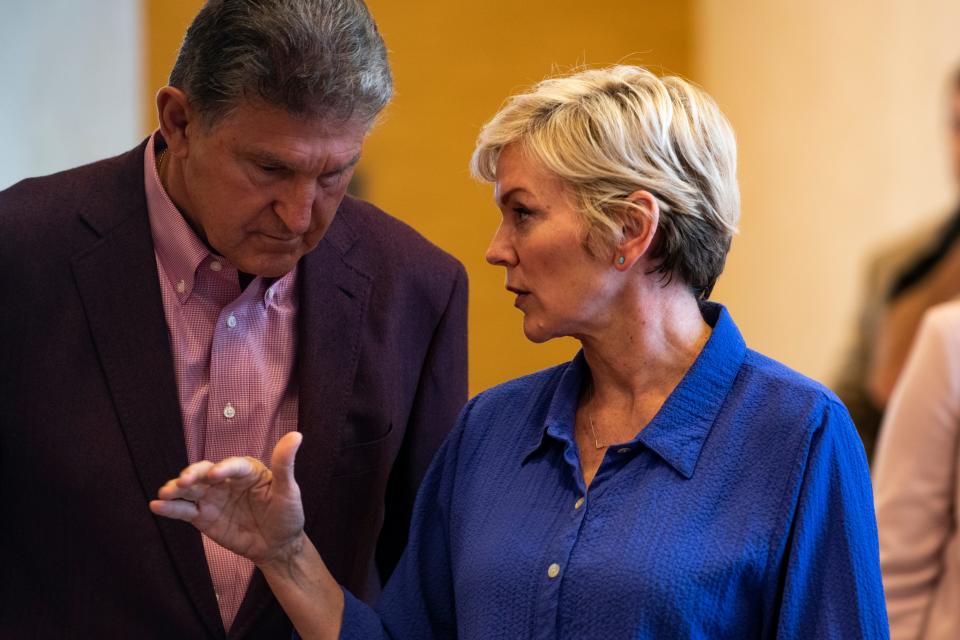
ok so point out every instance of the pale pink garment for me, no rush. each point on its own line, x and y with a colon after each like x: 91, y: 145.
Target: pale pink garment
x: 233, y: 353
x: 916, y: 485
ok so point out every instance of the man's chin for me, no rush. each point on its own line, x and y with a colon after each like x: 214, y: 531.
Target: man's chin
x: 269, y: 266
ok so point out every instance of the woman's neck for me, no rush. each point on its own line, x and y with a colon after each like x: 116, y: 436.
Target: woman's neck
x: 646, y: 345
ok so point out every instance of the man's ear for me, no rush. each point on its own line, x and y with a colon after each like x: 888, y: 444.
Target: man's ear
x: 177, y: 120
x: 641, y: 220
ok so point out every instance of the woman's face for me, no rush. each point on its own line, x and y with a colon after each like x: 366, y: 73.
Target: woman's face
x: 561, y: 289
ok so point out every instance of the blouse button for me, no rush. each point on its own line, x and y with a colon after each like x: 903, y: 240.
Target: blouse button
x: 579, y: 503
x: 554, y: 570
x: 624, y: 450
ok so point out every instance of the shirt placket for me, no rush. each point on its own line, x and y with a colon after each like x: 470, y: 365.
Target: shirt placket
x: 571, y: 526
x: 228, y: 410
x: 568, y: 525
x: 228, y: 422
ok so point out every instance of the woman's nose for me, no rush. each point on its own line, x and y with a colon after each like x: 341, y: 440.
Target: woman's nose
x: 499, y: 252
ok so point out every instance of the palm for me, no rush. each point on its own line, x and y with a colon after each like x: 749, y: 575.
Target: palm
x: 250, y: 516
x: 239, y: 503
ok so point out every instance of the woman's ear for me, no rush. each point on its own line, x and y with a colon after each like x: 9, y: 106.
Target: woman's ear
x: 640, y: 226
x: 176, y: 118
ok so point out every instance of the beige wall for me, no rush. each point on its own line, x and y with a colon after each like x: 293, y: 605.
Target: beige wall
x: 838, y: 107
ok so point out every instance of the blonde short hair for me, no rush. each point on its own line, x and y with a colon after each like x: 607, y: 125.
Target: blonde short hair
x: 607, y: 133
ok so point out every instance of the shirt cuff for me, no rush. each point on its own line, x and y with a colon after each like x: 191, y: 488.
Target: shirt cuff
x: 360, y: 621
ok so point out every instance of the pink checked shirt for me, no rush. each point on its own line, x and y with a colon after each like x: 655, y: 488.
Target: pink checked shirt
x: 233, y: 353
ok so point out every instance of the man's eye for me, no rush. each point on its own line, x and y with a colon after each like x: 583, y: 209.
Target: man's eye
x: 331, y: 178
x: 270, y: 168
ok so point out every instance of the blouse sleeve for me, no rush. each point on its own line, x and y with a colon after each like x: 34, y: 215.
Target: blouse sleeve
x: 916, y: 474
x: 831, y: 578
x: 418, y: 600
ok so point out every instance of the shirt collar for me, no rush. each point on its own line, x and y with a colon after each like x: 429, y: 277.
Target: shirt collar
x: 679, y: 430
x: 178, y: 248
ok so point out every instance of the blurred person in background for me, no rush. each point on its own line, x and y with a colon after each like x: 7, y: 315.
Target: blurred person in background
x: 917, y: 479
x: 903, y: 281
x: 200, y: 296
x: 668, y: 482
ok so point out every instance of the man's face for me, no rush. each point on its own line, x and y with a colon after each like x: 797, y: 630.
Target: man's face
x: 262, y: 186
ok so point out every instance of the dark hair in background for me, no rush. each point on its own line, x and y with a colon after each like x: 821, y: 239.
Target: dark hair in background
x: 310, y: 57
x: 921, y: 267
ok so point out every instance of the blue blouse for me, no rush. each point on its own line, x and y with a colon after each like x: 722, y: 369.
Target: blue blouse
x: 743, y: 510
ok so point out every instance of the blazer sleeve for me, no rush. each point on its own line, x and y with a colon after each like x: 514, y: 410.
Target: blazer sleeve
x: 441, y: 394
x: 916, y: 472
x: 831, y: 581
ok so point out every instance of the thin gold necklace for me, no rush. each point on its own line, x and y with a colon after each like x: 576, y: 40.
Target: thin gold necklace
x: 593, y: 429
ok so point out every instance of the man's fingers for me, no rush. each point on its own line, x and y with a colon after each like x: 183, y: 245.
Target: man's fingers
x: 176, y: 509
x: 281, y: 462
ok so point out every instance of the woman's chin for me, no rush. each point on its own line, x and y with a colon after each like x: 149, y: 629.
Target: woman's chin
x: 534, y: 333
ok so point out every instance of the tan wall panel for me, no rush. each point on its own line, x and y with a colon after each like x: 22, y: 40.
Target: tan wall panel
x: 840, y: 117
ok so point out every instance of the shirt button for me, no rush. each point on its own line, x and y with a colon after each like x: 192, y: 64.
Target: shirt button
x: 215, y: 266
x: 181, y: 286
x: 624, y: 450
x: 232, y: 321
x: 579, y: 503
x: 229, y: 411
x: 554, y: 570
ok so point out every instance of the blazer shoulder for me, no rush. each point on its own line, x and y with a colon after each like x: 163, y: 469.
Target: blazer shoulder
x: 391, y: 243
x: 37, y: 207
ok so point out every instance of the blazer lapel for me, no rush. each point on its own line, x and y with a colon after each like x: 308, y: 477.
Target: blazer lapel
x: 333, y: 301
x: 118, y: 283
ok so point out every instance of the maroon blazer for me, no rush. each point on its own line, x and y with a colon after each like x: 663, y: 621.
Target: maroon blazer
x: 90, y: 423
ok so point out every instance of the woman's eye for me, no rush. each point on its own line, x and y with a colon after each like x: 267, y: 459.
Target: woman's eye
x: 522, y: 213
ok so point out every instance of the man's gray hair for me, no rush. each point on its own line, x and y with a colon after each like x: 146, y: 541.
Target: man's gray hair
x: 312, y: 58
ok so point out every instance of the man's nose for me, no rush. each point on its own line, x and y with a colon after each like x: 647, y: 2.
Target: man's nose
x: 295, y: 205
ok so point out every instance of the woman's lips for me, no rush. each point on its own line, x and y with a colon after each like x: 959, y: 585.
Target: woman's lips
x: 521, y: 295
